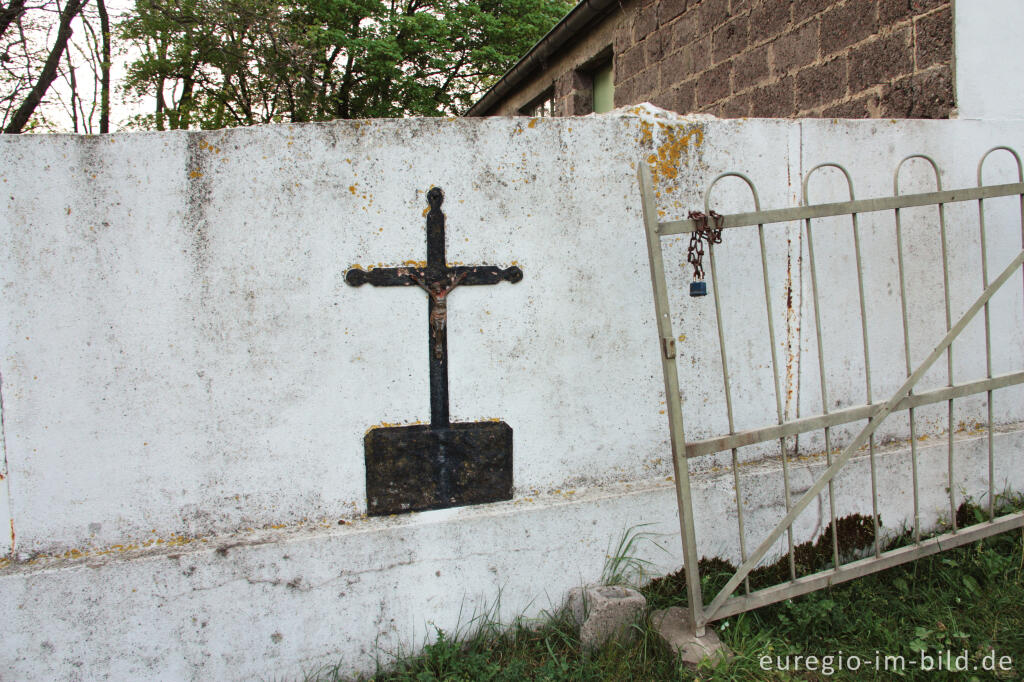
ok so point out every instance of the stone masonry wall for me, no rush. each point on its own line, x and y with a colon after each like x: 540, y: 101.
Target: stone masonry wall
x: 777, y: 58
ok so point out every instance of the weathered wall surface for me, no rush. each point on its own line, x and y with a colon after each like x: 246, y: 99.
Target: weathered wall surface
x: 989, y: 72
x: 185, y: 357
x: 187, y: 378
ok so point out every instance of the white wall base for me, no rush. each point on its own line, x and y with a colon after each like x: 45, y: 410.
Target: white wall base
x: 284, y: 602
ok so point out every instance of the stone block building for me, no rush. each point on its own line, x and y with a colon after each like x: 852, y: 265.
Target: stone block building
x: 737, y: 58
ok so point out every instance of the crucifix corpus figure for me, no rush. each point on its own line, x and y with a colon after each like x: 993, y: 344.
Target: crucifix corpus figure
x: 438, y: 292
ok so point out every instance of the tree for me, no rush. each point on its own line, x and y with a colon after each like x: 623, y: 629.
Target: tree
x: 84, y: 86
x: 29, y: 59
x: 101, y: 8
x: 211, y: 64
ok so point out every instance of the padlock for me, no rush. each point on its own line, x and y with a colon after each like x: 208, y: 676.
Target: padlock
x: 699, y: 288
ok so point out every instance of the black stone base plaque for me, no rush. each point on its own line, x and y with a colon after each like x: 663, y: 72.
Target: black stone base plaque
x: 414, y: 468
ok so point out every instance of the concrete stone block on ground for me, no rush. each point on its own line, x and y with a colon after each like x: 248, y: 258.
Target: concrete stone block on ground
x: 674, y: 628
x: 605, y: 613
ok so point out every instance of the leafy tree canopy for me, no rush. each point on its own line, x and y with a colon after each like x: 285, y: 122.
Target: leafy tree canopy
x: 222, y: 63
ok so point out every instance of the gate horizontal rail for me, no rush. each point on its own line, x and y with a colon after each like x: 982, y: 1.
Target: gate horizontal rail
x: 785, y: 215
x: 795, y: 427
x: 725, y: 603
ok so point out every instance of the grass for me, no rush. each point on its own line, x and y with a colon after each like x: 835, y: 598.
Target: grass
x: 968, y: 601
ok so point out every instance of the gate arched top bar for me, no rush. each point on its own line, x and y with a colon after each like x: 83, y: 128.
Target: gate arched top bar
x: 1001, y: 148
x: 731, y: 174
x: 899, y: 167
x: 827, y: 164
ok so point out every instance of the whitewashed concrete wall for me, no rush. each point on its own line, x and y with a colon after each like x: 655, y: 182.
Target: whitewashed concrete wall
x: 989, y: 73
x: 187, y: 379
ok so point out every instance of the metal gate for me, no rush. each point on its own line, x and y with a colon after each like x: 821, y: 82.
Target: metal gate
x: 705, y: 228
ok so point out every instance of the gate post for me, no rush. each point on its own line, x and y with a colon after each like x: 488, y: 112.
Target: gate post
x: 667, y: 341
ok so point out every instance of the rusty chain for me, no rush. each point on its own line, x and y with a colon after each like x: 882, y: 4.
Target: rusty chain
x: 703, y: 233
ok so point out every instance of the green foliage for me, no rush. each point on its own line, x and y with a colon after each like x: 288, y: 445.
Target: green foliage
x: 213, y: 63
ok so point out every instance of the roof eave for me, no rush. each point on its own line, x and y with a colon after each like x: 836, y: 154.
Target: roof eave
x: 565, y: 31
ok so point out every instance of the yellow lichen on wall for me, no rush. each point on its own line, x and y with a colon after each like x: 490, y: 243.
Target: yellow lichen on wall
x: 203, y: 144
x: 174, y: 540
x: 179, y: 540
x: 665, y: 160
x: 391, y: 425
x: 646, y: 133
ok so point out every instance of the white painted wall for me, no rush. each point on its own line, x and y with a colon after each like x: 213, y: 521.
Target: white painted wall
x: 187, y: 378
x: 989, y: 73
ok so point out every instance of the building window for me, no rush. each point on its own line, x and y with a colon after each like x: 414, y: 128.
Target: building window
x: 604, y: 88
x: 542, y: 106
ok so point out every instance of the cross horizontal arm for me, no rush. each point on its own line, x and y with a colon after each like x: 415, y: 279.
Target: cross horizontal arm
x: 486, y: 274
x: 385, y: 277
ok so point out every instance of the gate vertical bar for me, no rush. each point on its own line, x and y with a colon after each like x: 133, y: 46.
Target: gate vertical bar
x: 867, y: 375
x: 824, y: 385
x: 988, y: 349
x: 988, y: 329
x: 949, y: 355
x: 774, y: 356
x: 778, y: 395
x: 949, y: 351
x: 906, y: 352
x: 778, y: 391
x: 695, y: 606
x: 864, y: 339
x: 728, y: 408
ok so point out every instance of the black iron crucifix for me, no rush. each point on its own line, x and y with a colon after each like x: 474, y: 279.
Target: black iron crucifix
x: 413, y: 468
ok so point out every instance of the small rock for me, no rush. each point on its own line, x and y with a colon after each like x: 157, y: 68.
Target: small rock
x: 605, y: 613
x: 673, y: 625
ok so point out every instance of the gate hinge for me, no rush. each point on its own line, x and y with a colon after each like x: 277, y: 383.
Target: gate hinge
x: 668, y: 347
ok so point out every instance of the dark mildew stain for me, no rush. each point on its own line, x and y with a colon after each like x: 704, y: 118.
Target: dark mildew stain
x: 197, y: 191
x: 91, y: 206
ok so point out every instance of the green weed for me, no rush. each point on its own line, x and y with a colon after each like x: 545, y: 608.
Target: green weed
x: 622, y: 566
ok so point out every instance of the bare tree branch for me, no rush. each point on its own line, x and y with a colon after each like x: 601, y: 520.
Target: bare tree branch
x: 101, y: 6
x: 8, y: 14
x: 49, y: 71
